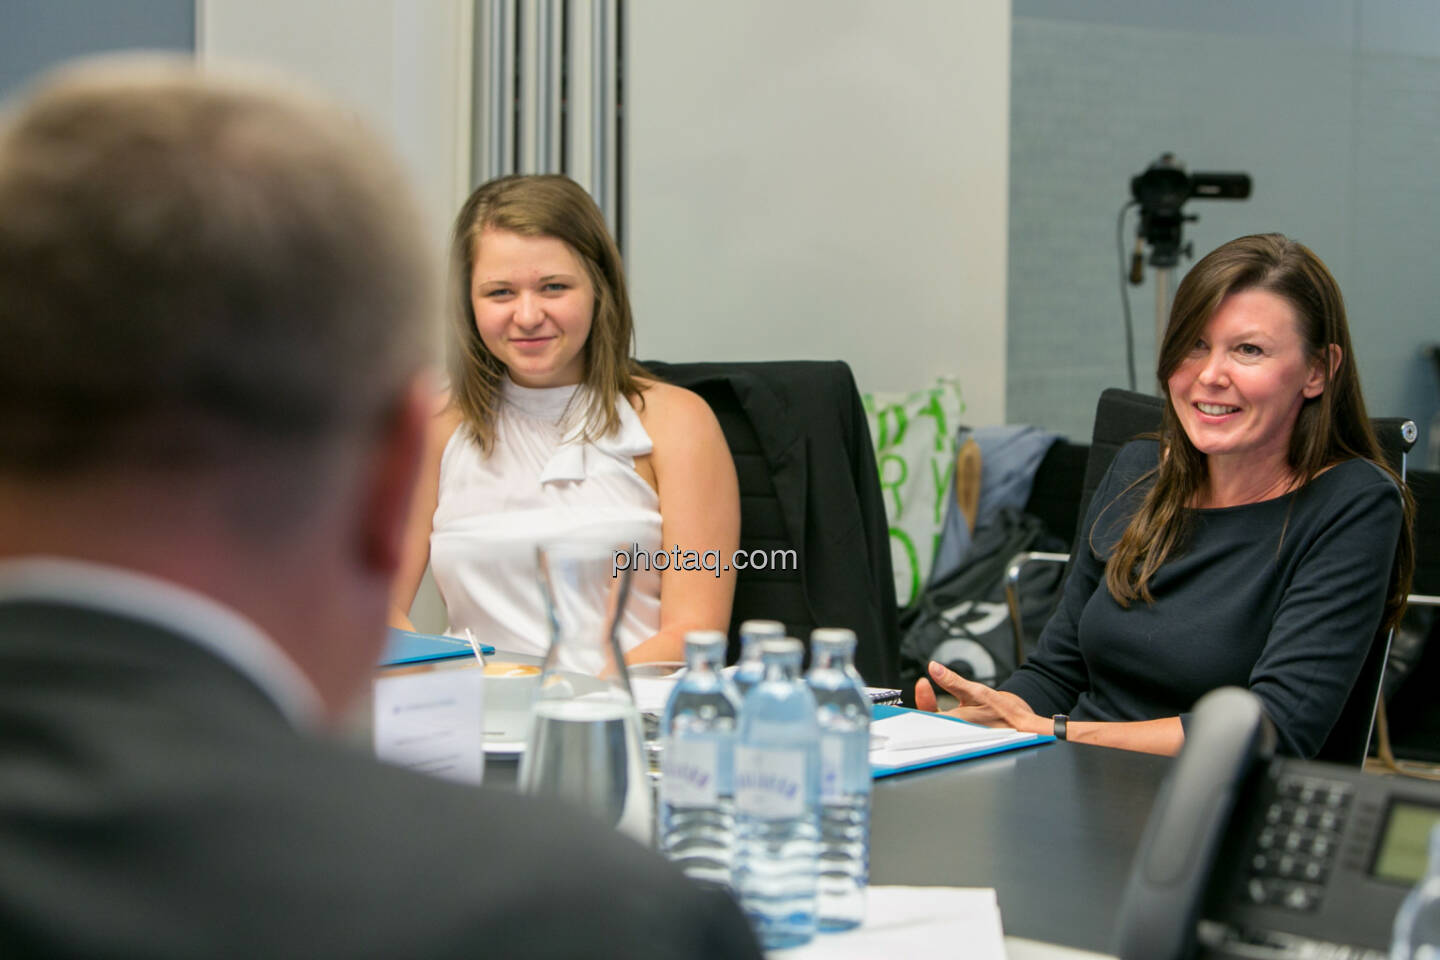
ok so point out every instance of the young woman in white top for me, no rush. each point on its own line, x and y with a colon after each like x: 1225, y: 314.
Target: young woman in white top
x: 552, y: 432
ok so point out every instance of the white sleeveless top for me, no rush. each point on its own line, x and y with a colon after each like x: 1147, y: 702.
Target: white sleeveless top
x: 540, y: 483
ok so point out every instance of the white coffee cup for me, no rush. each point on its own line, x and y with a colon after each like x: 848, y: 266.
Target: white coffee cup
x: 509, y: 690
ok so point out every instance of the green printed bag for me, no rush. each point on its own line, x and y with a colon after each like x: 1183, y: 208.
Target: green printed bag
x: 914, y: 437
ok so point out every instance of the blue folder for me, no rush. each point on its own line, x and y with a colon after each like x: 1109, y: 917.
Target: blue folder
x: 405, y: 646
x: 884, y: 710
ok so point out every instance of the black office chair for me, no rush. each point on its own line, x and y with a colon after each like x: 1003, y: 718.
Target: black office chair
x: 808, y: 483
x: 1413, y: 711
x: 1121, y: 416
x: 1056, y: 490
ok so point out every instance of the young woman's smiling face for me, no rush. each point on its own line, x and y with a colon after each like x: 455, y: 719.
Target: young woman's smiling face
x: 533, y: 304
x: 1239, y: 390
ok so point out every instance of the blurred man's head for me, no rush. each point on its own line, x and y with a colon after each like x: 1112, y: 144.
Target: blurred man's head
x: 214, y: 302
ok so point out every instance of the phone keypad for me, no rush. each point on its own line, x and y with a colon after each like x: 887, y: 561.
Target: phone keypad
x: 1296, y: 846
x: 1228, y: 941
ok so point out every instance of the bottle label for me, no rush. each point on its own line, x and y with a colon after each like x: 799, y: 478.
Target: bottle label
x: 832, y: 768
x: 769, y: 783
x: 689, y: 772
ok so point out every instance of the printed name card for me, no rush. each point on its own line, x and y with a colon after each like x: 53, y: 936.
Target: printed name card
x: 432, y: 721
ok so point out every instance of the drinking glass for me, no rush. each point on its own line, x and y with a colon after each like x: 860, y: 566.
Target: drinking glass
x: 585, y: 745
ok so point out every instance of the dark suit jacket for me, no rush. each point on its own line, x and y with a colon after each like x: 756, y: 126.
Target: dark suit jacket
x: 807, y: 419
x: 154, y: 803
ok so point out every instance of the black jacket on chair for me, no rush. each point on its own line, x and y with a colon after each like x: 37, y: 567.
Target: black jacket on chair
x: 808, y: 482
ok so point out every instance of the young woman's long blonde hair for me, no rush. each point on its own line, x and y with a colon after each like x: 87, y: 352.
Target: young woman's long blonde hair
x: 1330, y: 428
x: 543, y: 205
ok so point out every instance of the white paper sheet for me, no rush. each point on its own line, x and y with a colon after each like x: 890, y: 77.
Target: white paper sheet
x: 432, y: 721
x: 914, y: 922
x: 912, y: 738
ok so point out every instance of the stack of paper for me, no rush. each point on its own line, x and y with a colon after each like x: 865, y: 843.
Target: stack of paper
x: 914, y: 922
x: 903, y: 740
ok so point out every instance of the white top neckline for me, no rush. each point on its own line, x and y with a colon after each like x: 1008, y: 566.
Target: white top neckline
x: 542, y: 403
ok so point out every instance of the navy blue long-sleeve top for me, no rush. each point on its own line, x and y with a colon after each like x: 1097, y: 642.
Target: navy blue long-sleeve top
x: 1282, y: 596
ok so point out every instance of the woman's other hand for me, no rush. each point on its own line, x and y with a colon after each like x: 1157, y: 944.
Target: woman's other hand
x: 979, y: 703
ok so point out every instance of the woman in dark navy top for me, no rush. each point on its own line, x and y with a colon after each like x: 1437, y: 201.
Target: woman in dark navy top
x: 1252, y: 544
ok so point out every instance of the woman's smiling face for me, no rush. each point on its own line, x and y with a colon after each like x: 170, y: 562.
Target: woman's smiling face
x: 533, y: 304
x: 1239, y: 390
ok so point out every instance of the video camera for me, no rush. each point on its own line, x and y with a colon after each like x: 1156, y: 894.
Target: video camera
x: 1162, y: 190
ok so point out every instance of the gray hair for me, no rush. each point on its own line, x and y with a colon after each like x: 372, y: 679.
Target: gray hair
x: 195, y: 267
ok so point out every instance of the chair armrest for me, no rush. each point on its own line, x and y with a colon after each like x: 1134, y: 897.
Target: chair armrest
x: 1012, y: 591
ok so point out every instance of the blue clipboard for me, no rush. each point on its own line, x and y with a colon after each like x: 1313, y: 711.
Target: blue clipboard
x: 405, y: 646
x: 885, y: 710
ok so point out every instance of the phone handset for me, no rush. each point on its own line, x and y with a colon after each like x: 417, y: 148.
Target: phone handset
x: 1227, y: 735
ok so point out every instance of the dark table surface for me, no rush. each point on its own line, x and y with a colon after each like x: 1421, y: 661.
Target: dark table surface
x: 1052, y: 829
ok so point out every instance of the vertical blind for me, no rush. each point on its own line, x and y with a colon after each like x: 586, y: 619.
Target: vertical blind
x: 549, y: 94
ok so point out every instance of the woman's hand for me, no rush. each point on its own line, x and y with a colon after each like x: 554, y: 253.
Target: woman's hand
x: 995, y: 708
x: 979, y: 703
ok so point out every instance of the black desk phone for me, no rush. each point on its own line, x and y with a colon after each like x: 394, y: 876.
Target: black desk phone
x: 1249, y: 855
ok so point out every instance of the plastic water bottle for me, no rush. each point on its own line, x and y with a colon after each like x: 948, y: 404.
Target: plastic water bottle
x: 750, y: 669
x: 697, y: 796
x: 843, y: 710
x: 777, y: 797
x: 1417, y: 924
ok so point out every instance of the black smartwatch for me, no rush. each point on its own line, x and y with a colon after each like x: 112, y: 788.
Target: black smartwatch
x: 1060, y: 719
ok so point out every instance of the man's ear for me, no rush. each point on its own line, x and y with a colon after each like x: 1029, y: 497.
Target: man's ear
x: 393, y: 464
x: 1315, y: 385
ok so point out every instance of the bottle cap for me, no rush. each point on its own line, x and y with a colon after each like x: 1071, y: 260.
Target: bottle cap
x: 762, y: 629
x: 705, y: 639
x: 833, y: 637
x: 783, y: 647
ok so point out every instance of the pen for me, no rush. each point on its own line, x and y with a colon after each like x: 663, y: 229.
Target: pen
x: 475, y: 646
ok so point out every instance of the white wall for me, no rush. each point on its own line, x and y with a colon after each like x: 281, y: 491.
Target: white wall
x: 816, y: 180
x: 805, y: 179
x: 402, y: 64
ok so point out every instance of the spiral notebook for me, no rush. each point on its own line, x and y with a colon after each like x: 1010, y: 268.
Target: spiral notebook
x: 883, y: 695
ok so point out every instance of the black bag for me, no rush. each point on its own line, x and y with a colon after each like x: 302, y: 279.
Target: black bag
x: 962, y: 621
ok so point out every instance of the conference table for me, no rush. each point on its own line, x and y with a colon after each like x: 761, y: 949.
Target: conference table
x: 1052, y: 828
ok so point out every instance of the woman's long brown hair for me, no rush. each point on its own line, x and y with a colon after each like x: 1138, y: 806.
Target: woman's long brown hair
x: 1331, y: 428
x: 543, y: 205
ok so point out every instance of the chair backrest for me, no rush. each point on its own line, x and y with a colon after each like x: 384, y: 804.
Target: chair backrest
x: 808, y: 483
x: 1122, y: 415
x: 1412, y: 709
x: 1055, y: 493
x: 1425, y: 488
x: 1349, y: 739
